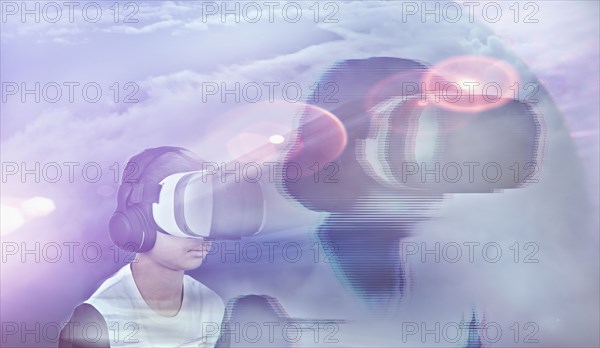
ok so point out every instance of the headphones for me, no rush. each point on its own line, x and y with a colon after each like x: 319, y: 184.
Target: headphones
x: 132, y: 226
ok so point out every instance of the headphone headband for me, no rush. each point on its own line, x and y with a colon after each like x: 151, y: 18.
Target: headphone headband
x: 142, y: 160
x: 130, y: 224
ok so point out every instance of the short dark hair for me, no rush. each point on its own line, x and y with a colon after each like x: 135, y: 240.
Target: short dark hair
x: 178, y: 161
x: 170, y: 163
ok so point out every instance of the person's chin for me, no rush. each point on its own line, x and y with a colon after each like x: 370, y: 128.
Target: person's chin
x: 190, y: 264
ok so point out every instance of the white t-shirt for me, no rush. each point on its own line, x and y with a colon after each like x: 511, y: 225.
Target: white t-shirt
x: 132, y: 323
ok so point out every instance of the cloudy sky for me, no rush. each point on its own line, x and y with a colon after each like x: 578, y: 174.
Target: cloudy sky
x: 164, y: 63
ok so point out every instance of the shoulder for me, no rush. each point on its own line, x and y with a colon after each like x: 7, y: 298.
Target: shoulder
x: 74, y: 333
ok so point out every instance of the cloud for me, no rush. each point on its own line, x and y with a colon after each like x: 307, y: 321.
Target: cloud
x: 145, y: 29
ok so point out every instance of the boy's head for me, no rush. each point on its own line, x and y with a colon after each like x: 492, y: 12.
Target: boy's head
x: 132, y: 225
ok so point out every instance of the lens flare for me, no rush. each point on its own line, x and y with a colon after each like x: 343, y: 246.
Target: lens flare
x: 271, y: 131
x: 38, y: 206
x: 321, y: 138
x: 470, y: 83
x: 276, y: 139
x: 11, y: 218
x: 253, y: 133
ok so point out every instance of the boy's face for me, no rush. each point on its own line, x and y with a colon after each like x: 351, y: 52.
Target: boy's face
x: 179, y: 253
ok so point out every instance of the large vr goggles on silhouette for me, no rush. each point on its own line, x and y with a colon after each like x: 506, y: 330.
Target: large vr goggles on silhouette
x: 465, y: 152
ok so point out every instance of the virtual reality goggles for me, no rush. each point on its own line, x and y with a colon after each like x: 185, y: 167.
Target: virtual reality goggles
x: 413, y: 148
x: 421, y: 146
x: 199, y: 205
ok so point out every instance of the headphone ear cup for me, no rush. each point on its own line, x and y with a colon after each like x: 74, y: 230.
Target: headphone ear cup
x: 125, y: 231
x: 147, y: 234
x: 129, y: 230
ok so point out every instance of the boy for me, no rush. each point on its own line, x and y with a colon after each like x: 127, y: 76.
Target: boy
x: 150, y: 302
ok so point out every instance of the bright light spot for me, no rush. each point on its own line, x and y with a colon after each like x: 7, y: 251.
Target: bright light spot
x: 10, y: 219
x: 276, y: 139
x: 495, y: 79
x: 38, y: 206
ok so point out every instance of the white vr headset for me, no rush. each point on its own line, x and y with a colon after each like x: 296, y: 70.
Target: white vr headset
x: 200, y: 205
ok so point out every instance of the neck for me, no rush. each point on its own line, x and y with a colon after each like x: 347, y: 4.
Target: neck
x: 160, y: 286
